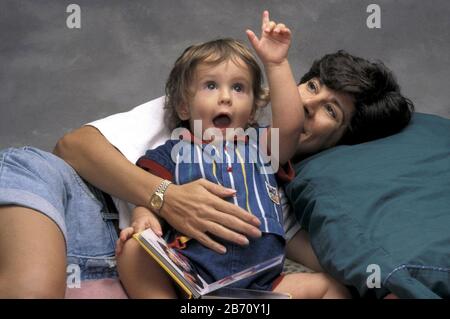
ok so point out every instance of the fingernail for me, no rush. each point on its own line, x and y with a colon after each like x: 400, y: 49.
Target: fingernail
x: 223, y: 250
x: 257, y: 233
x: 244, y: 241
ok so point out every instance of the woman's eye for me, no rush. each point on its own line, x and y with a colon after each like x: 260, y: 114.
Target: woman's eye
x: 211, y: 85
x: 238, y: 87
x: 312, y: 86
x: 331, y: 110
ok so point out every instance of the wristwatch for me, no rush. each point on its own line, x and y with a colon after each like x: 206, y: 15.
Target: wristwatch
x: 157, y: 198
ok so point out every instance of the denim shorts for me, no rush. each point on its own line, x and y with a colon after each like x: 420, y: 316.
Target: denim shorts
x: 39, y: 180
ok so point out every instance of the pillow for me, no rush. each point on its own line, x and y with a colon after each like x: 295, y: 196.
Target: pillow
x: 378, y: 213
x: 137, y: 130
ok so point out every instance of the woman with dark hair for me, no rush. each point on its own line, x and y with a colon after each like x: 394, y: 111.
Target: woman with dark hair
x: 380, y: 109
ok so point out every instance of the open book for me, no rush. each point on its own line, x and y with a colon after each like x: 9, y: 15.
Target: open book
x: 184, y: 274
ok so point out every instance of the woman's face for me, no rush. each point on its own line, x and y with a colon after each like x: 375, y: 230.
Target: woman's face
x: 327, y: 116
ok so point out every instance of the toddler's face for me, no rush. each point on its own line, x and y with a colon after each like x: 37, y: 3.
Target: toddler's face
x: 222, y: 96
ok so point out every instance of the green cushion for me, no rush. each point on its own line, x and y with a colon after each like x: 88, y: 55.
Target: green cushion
x: 386, y: 202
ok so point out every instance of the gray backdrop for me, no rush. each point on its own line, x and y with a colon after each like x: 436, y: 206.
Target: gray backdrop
x: 54, y: 79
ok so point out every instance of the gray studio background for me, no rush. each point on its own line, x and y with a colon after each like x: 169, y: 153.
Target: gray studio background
x: 54, y: 79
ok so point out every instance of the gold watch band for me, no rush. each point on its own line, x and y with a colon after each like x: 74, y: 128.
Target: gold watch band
x: 160, y: 190
x: 163, y: 186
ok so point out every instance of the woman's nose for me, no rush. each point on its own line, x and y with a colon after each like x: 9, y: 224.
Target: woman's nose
x: 309, y: 109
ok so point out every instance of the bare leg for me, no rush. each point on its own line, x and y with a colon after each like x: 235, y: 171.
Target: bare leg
x: 141, y: 276
x: 299, y: 249
x: 312, y: 286
x: 32, y: 255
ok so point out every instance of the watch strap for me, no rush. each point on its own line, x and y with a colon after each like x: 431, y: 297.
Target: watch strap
x: 163, y: 186
x: 160, y: 190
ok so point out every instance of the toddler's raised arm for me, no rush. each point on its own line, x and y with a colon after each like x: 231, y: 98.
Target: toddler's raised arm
x: 287, y: 109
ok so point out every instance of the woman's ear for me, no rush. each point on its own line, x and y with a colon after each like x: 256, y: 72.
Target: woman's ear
x: 183, y: 111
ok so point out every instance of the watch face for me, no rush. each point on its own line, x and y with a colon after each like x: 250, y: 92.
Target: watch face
x: 156, y: 201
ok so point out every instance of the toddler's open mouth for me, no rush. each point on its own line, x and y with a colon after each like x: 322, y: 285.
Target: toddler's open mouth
x: 222, y: 121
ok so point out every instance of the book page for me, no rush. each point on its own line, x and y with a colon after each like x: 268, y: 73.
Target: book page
x: 238, y: 293
x: 179, y: 264
x: 256, y: 269
x: 182, y: 268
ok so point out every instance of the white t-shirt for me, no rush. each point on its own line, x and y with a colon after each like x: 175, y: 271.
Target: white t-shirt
x: 132, y: 133
x: 142, y: 128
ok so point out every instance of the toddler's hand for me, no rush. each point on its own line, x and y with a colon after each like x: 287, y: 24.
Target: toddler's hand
x: 142, y: 219
x: 275, y: 40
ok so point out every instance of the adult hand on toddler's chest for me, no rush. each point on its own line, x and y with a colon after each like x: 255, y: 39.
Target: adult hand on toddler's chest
x: 198, y: 208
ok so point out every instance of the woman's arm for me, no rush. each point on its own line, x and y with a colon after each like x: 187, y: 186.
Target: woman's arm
x: 102, y: 165
x: 194, y: 209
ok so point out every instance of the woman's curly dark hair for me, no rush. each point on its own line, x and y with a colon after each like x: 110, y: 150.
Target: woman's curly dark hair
x: 380, y: 109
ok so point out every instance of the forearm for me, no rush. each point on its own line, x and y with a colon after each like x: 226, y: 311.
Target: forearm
x: 287, y: 111
x: 102, y: 165
x: 194, y: 208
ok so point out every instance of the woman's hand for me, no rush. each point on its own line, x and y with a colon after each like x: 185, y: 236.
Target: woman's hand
x: 275, y: 41
x: 192, y: 209
x: 141, y: 220
x: 197, y: 209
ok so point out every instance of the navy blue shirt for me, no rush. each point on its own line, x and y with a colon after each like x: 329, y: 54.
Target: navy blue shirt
x: 233, y: 164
